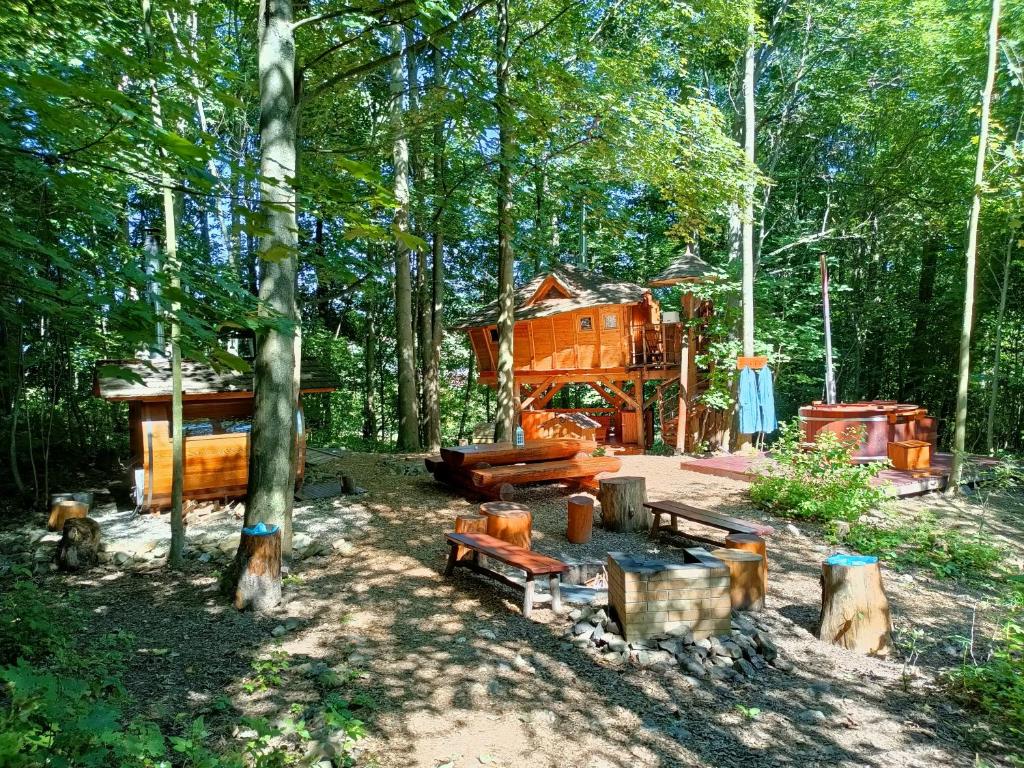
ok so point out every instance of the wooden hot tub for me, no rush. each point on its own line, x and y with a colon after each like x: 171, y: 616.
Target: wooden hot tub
x: 883, y: 421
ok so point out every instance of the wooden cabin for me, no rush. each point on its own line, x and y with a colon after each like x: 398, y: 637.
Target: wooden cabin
x: 579, y: 327
x: 217, y: 419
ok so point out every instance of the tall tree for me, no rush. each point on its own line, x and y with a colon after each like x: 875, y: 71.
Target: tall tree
x: 273, y: 445
x: 408, y: 419
x: 506, y: 414
x: 964, y: 374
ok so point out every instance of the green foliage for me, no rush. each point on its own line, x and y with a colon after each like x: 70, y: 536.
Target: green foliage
x: 659, y: 448
x: 948, y: 554
x: 816, y: 482
x: 63, y: 702
x: 995, y: 685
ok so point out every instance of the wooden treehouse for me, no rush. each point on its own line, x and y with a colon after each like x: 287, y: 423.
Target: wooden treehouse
x: 217, y: 419
x: 578, y: 328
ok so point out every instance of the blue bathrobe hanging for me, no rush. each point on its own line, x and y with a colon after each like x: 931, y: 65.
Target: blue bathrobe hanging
x: 750, y: 408
x: 766, y: 400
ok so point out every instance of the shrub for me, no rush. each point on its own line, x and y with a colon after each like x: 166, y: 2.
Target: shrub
x: 995, y: 685
x: 817, y: 482
x: 948, y: 554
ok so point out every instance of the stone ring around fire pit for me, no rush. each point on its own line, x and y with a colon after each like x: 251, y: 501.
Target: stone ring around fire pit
x: 652, y: 598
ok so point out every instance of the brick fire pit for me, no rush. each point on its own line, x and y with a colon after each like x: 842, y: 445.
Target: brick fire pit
x: 651, y: 598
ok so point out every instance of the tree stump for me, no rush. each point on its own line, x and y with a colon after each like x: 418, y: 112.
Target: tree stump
x: 509, y: 522
x: 62, y: 511
x: 854, y: 608
x: 348, y: 485
x: 746, y: 590
x: 750, y: 542
x: 469, y: 524
x: 581, y: 519
x: 622, y: 504
x: 258, y: 564
x: 79, y: 545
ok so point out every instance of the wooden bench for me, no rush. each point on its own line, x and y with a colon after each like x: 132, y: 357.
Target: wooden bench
x: 676, y: 510
x: 567, y: 469
x: 532, y: 563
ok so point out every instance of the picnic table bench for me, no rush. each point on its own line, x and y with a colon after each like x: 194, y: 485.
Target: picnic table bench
x: 676, y: 510
x: 533, y: 564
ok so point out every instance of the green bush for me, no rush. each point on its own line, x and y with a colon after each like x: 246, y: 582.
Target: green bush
x: 816, y: 482
x: 995, y: 685
x: 948, y: 554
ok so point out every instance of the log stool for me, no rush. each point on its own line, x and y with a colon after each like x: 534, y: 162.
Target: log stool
x: 581, y: 519
x: 750, y: 542
x: 259, y: 568
x: 746, y: 591
x: 854, y: 608
x: 469, y: 524
x: 509, y: 522
x: 622, y: 504
x: 63, y: 511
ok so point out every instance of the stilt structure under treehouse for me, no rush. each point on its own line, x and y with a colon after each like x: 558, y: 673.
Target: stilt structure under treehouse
x: 574, y: 327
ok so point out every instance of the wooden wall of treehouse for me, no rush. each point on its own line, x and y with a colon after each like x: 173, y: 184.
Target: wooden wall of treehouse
x: 598, y: 338
x: 216, y: 449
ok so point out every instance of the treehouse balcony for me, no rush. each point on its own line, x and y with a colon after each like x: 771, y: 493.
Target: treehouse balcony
x: 656, y: 346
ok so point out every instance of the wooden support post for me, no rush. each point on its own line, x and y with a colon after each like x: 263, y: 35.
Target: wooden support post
x: 259, y: 568
x: 641, y: 414
x: 528, y: 596
x: 854, y: 608
x: 581, y: 519
x: 622, y: 504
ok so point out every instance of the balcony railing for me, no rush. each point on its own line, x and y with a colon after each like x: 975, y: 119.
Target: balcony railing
x: 656, y: 345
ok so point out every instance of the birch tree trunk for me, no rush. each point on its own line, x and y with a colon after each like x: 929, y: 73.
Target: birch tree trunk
x: 749, y: 140
x: 506, y: 414
x: 272, y: 448
x: 1000, y: 316
x: 408, y: 420
x: 960, y: 430
x: 175, y: 555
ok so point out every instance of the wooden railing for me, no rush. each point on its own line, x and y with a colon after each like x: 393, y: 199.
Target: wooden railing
x: 656, y: 345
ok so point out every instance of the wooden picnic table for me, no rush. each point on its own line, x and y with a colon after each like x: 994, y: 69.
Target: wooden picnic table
x: 497, y: 454
x: 676, y: 510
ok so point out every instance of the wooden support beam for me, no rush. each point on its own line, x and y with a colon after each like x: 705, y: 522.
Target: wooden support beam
x: 546, y: 398
x: 535, y: 392
x: 609, y: 398
x: 627, y: 399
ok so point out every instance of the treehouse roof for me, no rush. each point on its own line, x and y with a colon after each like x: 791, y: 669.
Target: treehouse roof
x: 687, y: 267
x: 151, y: 379
x: 565, y: 289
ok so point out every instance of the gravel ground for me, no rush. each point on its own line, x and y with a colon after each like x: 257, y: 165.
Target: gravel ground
x: 444, y: 693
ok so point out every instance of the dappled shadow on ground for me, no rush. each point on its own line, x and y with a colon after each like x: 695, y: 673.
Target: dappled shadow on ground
x: 421, y: 647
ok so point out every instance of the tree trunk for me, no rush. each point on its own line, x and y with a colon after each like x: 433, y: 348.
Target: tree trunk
x: 960, y: 431
x: 854, y: 608
x: 370, y: 372
x: 1000, y: 315
x: 175, y: 557
x: 408, y: 420
x: 431, y: 379
x: 506, y: 414
x: 259, y: 571
x: 273, y: 449
x: 622, y: 504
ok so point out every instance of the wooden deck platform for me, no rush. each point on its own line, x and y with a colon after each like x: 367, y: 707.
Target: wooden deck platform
x: 895, y: 482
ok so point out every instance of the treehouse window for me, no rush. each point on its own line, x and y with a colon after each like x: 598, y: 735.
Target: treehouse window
x: 494, y: 335
x: 611, y: 321
x: 199, y: 427
x: 586, y: 323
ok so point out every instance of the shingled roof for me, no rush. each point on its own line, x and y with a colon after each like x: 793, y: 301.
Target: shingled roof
x: 584, y: 289
x: 685, y: 267
x: 196, y: 378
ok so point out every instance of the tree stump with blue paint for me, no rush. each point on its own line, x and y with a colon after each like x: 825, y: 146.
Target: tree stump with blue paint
x: 258, y: 564
x: 854, y: 608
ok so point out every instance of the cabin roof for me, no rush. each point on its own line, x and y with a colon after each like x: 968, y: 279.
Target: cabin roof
x: 196, y: 379
x: 545, y: 295
x: 685, y: 267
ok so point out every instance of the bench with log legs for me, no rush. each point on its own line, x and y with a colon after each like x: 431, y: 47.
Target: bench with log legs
x: 676, y: 510
x: 533, y: 564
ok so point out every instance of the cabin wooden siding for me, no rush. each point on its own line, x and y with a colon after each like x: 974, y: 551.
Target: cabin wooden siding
x: 216, y: 466
x: 564, y: 342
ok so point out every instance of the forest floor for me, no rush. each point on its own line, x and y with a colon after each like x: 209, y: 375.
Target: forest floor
x: 450, y: 673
